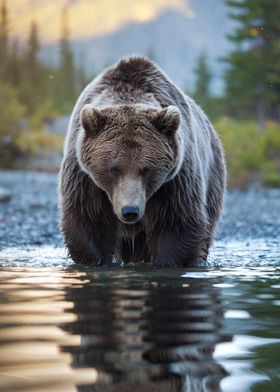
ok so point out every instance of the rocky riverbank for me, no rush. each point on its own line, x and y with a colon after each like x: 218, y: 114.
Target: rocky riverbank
x: 30, y: 217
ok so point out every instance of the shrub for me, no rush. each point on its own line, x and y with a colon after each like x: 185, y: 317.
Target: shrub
x: 30, y: 142
x: 251, y: 154
x: 11, y: 113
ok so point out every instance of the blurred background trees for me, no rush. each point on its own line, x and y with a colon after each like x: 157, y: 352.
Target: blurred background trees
x: 31, y: 91
x: 35, y: 91
x: 252, y: 79
x: 247, y: 115
x: 202, y: 82
x: 35, y: 81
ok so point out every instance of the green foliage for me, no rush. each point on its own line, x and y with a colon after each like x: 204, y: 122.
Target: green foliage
x: 212, y: 105
x: 31, y: 143
x: 16, y: 141
x: 201, y: 93
x: 203, y: 79
x: 3, y: 38
x: 253, y: 75
x: 66, y: 73
x: 252, y: 155
x: 32, y: 92
x: 35, y: 81
x: 46, y: 111
x: 33, y: 46
x: 11, y: 110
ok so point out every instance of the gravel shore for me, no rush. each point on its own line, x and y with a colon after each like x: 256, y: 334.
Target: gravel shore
x: 31, y: 216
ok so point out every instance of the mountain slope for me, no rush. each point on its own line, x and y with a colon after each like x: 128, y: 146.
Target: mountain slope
x: 174, y: 41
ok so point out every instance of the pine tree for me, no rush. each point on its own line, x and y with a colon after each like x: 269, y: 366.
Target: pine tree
x: 67, y: 69
x: 253, y: 75
x: 15, y: 65
x: 11, y: 111
x: 81, y: 76
x: 31, y: 84
x: 3, y: 40
x: 33, y: 66
x: 33, y: 48
x: 203, y: 79
x: 202, y: 86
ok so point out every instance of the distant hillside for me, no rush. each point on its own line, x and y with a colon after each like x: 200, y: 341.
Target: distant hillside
x: 173, y: 41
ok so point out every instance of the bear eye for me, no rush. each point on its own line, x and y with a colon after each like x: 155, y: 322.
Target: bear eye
x: 115, y: 171
x: 144, y: 171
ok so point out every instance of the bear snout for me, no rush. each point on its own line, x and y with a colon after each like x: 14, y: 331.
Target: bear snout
x: 129, y: 200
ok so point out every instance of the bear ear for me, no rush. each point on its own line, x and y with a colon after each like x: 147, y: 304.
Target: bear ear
x: 167, y: 121
x: 92, y: 120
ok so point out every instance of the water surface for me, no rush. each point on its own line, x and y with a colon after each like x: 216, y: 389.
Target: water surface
x: 72, y: 328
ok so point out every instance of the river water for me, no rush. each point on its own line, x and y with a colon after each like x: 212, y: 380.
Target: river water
x: 72, y: 328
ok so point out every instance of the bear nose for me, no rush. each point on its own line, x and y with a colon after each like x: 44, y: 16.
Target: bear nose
x: 130, y: 213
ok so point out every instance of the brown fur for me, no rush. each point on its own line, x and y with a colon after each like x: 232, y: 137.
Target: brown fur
x: 126, y: 137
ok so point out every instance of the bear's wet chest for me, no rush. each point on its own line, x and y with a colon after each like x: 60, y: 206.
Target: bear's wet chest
x: 130, y: 232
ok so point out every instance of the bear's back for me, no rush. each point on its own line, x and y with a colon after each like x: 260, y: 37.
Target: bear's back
x: 139, y: 77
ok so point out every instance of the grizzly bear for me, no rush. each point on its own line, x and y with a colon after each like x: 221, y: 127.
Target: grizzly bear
x: 143, y: 173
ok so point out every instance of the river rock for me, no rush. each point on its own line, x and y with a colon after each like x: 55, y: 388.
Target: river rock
x: 5, y: 195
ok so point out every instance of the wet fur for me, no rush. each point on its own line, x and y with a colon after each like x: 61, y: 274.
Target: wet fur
x: 181, y: 216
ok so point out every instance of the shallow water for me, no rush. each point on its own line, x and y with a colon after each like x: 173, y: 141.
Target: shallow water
x: 72, y: 328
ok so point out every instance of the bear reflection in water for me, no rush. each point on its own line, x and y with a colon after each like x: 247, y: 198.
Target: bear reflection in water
x: 155, y: 339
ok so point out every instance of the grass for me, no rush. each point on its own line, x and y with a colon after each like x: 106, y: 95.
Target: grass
x: 30, y: 143
x: 252, y: 155
x: 17, y: 151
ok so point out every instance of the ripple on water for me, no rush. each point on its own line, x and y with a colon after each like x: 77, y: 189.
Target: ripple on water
x: 231, y: 254
x: 67, y: 328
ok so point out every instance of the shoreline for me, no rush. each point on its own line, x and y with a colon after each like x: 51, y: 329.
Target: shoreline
x: 31, y: 216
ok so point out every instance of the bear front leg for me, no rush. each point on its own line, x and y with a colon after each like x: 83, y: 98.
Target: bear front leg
x: 83, y: 240
x: 183, y: 249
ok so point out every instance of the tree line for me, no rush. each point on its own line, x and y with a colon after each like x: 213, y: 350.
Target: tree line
x: 38, y: 87
x: 252, y: 77
x: 32, y: 91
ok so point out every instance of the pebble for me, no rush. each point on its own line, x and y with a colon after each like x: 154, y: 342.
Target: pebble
x: 5, y: 195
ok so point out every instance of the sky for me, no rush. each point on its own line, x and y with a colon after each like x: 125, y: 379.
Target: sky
x: 87, y: 18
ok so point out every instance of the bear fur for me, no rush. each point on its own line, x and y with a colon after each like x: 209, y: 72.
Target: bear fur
x: 135, y: 139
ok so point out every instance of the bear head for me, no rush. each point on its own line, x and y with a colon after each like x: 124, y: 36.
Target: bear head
x: 129, y: 152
